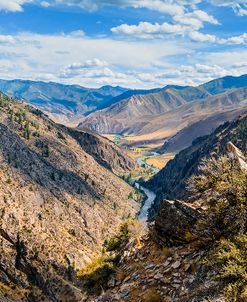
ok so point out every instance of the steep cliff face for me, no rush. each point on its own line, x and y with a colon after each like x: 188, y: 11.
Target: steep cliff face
x: 57, y: 203
x: 104, y: 151
x: 170, y: 182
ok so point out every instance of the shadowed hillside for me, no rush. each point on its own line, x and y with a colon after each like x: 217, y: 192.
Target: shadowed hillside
x: 58, y: 203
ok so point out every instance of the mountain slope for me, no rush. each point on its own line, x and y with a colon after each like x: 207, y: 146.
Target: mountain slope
x: 64, y: 103
x: 57, y: 203
x: 206, y: 126
x: 156, y: 114
x: 222, y: 84
x: 157, y: 126
x: 121, y: 117
x: 195, y: 247
x: 170, y: 182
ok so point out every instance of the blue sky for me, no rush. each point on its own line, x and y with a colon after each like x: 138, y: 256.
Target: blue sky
x: 132, y: 43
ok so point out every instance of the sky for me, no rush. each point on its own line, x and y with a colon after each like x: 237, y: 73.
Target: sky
x: 130, y: 43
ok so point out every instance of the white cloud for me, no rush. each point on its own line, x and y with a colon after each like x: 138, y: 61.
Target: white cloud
x: 7, y: 39
x: 186, y: 27
x: 146, y: 29
x: 200, y: 37
x: 171, y: 7
x: 242, y: 39
x: 184, y: 24
x: 73, y: 60
x: 242, y: 12
x: 77, y: 34
x: 90, y: 68
x: 239, y: 6
x: 13, y: 5
x: 149, y: 30
x: 195, y: 19
x: 45, y: 4
x: 87, y: 64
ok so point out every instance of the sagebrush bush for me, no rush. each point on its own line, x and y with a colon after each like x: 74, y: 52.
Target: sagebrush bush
x: 153, y: 296
x: 222, y: 185
x: 230, y: 257
x: 96, y: 274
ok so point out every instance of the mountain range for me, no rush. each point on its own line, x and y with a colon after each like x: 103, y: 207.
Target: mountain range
x: 64, y: 103
x: 159, y: 116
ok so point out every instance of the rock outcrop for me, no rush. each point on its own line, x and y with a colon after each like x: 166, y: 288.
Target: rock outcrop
x: 174, y: 222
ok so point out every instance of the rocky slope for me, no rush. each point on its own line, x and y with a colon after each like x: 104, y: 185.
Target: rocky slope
x: 150, y: 273
x: 57, y: 202
x: 170, y: 182
x: 64, y: 103
x: 193, y: 252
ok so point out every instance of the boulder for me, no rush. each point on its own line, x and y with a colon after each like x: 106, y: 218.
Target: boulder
x: 174, y: 222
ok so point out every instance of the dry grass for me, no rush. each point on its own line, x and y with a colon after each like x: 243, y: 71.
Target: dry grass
x: 161, y: 160
x: 152, y: 295
x: 12, y: 291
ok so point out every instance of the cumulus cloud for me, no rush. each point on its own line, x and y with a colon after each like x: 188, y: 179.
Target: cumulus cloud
x: 146, y: 29
x: 72, y: 60
x: 172, y: 7
x: 88, y: 64
x: 89, y: 68
x: 184, y: 24
x: 149, y: 30
x: 200, y: 37
x: 195, y: 19
x: 241, y: 39
x: 13, y: 5
x: 188, y: 29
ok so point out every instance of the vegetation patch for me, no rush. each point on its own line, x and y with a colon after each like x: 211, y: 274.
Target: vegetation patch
x: 152, y: 295
x: 223, y: 186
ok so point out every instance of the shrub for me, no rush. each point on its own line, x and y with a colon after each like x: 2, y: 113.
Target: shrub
x: 60, y: 135
x: 152, y: 296
x: 96, y: 274
x: 223, y: 187
x: 230, y: 257
x: 113, y: 244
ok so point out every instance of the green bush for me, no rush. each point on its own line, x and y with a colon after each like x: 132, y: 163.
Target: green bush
x: 230, y: 257
x: 113, y: 244
x: 222, y: 186
x: 60, y: 135
x: 96, y: 274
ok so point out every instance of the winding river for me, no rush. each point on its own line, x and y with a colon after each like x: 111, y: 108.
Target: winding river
x: 143, y: 214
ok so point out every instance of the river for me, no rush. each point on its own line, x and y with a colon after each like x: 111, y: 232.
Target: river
x: 141, y: 161
x: 143, y: 214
